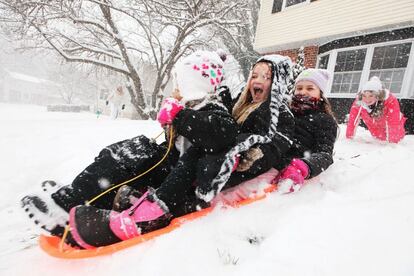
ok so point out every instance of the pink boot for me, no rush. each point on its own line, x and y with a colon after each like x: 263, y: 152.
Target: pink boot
x: 144, y: 216
x: 92, y: 227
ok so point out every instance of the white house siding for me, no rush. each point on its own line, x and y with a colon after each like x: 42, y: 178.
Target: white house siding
x: 324, y: 20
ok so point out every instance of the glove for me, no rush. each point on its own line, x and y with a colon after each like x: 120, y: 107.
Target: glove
x: 123, y: 107
x: 168, y: 111
x: 107, y: 102
x: 224, y: 94
x: 249, y: 158
x: 291, y: 179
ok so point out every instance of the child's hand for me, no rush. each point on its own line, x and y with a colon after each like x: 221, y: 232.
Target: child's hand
x: 249, y: 158
x: 291, y: 179
x: 168, y: 111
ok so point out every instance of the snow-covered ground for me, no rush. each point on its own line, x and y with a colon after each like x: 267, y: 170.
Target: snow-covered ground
x: 357, y: 218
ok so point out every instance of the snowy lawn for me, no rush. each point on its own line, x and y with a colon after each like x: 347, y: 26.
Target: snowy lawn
x: 357, y: 218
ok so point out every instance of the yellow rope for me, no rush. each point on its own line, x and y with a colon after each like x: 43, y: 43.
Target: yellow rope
x: 65, y: 233
x: 62, y: 241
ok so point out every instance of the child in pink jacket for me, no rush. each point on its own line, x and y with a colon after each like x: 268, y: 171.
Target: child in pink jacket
x: 380, y: 111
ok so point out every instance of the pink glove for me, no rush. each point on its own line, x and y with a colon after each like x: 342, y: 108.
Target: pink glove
x: 291, y: 179
x: 168, y: 111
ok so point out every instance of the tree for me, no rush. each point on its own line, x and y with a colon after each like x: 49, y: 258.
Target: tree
x: 119, y: 35
x: 239, y: 39
x: 297, y: 68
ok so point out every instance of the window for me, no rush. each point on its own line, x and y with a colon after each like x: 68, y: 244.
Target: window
x: 289, y: 3
x: 389, y: 64
x: 351, y: 68
x: 279, y: 5
x: 348, y: 70
x: 104, y: 94
x: 323, y: 62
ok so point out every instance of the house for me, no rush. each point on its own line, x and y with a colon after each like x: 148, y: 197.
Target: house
x: 352, y: 39
x: 16, y: 87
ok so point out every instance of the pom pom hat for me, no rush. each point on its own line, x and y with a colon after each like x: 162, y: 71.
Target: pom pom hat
x: 198, y: 75
x: 374, y: 85
x: 320, y: 77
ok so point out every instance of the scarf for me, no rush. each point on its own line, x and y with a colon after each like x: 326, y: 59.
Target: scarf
x: 300, y: 104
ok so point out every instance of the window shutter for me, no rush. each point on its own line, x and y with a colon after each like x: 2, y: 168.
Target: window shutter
x: 277, y: 6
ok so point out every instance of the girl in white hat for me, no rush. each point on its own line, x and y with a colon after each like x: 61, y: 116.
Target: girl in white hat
x: 379, y: 110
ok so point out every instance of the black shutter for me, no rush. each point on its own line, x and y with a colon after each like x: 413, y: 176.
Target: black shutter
x: 277, y: 6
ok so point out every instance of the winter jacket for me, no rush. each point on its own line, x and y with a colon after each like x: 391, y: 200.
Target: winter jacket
x: 388, y: 127
x: 208, y: 127
x: 313, y: 140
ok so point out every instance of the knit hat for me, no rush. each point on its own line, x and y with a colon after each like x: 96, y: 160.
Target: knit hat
x: 374, y: 85
x: 320, y: 77
x: 198, y: 75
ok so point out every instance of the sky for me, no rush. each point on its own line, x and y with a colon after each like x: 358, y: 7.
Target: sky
x: 356, y: 218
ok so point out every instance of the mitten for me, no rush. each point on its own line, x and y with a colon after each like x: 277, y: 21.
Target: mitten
x: 123, y: 107
x: 291, y: 179
x: 249, y: 158
x: 106, y: 102
x: 168, y: 111
x: 224, y: 94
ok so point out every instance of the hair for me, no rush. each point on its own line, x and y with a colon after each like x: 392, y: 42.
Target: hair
x: 378, y: 109
x: 244, y: 105
x: 326, y: 105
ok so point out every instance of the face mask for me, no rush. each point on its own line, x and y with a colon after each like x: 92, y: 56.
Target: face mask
x: 300, y: 104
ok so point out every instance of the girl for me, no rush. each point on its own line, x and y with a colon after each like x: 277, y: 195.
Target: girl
x: 265, y: 126
x: 315, y: 131
x: 379, y: 110
x: 200, y: 120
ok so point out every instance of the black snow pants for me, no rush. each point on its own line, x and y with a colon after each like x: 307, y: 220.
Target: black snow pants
x: 115, y: 164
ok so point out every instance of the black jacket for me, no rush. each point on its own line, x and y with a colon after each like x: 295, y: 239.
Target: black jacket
x: 314, y: 137
x: 210, y: 128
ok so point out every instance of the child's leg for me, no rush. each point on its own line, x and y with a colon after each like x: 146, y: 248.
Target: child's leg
x: 178, y: 187
x: 116, y: 164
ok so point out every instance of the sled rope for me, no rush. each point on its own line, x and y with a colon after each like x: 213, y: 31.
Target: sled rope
x: 171, y: 138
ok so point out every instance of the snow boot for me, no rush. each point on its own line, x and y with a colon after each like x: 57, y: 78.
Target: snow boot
x: 89, y: 227
x: 44, y: 211
x: 92, y: 227
x: 125, y: 198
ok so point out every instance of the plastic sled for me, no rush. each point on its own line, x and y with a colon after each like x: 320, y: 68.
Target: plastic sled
x: 53, y: 246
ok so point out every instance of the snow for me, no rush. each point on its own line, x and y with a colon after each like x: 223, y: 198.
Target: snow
x: 355, y: 219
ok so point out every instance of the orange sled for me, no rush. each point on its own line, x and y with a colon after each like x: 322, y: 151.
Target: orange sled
x: 52, y: 245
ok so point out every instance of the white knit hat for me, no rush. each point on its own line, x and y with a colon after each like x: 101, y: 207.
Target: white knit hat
x: 198, y: 75
x: 374, y: 85
x: 320, y: 77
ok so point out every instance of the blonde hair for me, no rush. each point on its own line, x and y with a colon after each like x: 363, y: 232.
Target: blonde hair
x: 245, y: 105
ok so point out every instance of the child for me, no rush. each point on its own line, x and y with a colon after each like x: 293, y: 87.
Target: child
x: 200, y: 120
x: 315, y: 131
x: 379, y: 110
x: 263, y: 139
x: 116, y: 101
